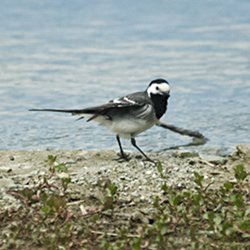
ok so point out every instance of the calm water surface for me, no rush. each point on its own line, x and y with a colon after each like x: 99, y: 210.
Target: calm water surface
x: 72, y: 54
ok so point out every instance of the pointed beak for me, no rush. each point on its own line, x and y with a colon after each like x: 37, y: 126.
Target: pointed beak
x: 167, y: 94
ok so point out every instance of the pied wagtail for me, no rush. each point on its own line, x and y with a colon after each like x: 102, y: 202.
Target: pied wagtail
x: 129, y: 115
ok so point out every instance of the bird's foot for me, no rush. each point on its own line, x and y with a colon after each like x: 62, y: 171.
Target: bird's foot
x: 145, y: 158
x: 123, y: 157
x: 150, y: 160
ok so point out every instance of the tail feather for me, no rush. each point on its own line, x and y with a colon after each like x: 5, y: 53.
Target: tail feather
x: 72, y: 111
x: 93, y: 112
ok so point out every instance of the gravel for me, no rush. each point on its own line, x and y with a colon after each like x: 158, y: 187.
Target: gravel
x: 137, y: 180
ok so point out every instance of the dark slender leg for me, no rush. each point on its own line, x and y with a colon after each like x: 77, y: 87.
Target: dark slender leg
x: 134, y: 144
x: 120, y: 146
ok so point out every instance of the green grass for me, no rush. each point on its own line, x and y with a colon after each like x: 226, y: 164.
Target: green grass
x: 207, y: 216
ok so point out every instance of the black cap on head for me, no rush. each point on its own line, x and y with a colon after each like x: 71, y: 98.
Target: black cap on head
x: 159, y: 80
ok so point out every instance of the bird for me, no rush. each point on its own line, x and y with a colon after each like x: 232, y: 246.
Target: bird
x: 129, y: 115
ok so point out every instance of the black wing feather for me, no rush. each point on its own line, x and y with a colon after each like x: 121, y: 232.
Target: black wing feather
x: 134, y: 100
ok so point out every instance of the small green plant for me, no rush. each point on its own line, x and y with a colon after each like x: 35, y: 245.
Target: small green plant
x: 108, y: 195
x: 220, y: 215
x: 55, y: 166
x: 240, y: 173
x: 60, y: 169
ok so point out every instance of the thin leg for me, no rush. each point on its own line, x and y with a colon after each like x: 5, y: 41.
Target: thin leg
x: 120, y: 146
x: 134, y: 144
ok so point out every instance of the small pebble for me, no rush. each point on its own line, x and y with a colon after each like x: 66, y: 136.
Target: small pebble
x: 180, y: 185
x: 176, y: 169
x: 6, y: 169
x: 149, y: 172
x: 142, y: 198
x: 11, y: 157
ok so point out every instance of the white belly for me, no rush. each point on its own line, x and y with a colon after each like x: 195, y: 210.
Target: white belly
x: 130, y: 128
x: 126, y: 128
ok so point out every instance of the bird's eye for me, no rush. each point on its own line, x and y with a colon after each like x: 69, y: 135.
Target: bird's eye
x: 157, y: 88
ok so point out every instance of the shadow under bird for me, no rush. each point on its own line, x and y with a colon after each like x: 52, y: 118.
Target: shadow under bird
x: 129, y: 115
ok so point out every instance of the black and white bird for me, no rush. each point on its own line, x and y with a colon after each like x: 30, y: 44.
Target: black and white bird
x: 129, y: 115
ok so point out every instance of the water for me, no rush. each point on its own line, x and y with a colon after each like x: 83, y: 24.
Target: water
x: 73, y: 54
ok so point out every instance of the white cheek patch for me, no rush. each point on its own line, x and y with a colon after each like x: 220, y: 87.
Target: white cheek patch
x: 162, y: 88
x: 152, y: 89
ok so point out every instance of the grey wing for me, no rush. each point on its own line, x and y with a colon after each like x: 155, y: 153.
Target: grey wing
x: 135, y: 99
x: 121, y: 106
x: 137, y: 105
x: 144, y: 112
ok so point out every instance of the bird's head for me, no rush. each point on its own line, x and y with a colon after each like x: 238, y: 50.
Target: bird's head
x: 159, y: 91
x: 158, y: 87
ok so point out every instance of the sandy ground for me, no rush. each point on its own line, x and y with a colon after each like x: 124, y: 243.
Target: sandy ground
x: 137, y: 180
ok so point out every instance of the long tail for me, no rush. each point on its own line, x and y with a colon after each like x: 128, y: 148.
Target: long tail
x: 72, y: 111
